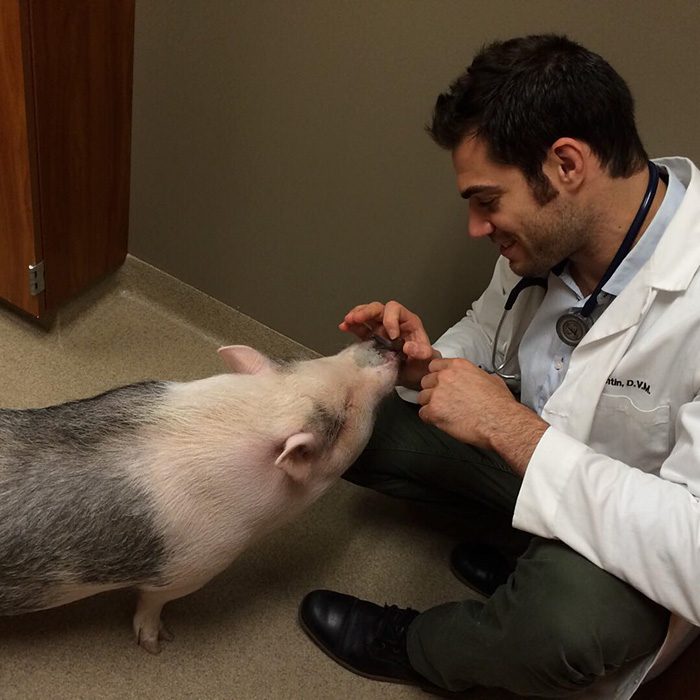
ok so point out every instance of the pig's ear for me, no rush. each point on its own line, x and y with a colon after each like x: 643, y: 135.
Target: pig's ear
x: 297, y: 455
x: 244, y: 360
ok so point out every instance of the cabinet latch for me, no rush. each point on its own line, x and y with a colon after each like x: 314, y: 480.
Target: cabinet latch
x: 36, y: 278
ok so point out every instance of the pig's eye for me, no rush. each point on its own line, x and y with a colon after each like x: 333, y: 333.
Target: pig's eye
x: 335, y: 428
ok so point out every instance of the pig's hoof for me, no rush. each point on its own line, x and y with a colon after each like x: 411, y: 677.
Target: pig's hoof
x: 150, y: 640
x: 150, y: 644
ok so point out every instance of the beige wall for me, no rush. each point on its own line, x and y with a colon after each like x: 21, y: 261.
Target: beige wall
x: 279, y: 161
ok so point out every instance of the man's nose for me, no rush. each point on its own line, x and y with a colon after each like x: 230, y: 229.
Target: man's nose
x: 479, y: 225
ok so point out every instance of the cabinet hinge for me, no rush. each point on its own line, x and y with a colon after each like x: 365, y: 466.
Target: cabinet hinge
x: 36, y: 278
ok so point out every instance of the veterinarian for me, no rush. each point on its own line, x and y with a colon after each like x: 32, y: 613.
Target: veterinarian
x: 571, y: 407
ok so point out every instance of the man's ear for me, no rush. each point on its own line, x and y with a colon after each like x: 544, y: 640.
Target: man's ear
x: 566, y: 163
x: 297, y: 455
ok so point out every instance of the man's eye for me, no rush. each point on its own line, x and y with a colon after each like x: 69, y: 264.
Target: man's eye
x: 490, y: 203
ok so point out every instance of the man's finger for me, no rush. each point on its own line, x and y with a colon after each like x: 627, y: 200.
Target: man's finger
x: 417, y: 351
x: 424, y: 396
x: 438, y: 364
x: 365, y: 312
x: 429, y: 381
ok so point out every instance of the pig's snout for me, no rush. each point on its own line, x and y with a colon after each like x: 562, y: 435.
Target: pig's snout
x: 380, y: 359
x: 391, y: 349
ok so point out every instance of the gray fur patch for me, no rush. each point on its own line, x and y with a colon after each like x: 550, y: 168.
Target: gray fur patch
x: 328, y: 423
x: 70, y: 513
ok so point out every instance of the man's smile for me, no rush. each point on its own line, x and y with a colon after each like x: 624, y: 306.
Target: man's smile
x: 505, y: 243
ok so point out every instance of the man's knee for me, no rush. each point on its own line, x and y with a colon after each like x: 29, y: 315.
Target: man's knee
x: 549, y: 653
x: 491, y: 645
x: 576, y: 623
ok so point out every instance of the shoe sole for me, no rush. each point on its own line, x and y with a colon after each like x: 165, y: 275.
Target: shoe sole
x: 433, y: 690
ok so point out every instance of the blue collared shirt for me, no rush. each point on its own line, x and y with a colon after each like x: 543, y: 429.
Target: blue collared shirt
x: 544, y: 358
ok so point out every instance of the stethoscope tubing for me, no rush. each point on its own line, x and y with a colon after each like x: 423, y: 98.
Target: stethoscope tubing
x: 588, y: 308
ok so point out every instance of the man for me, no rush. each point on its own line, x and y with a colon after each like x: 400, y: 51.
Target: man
x: 593, y: 446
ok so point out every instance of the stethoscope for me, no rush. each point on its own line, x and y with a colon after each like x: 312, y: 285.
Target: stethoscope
x: 576, y: 322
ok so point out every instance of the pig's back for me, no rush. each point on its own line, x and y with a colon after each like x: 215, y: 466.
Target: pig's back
x: 71, y: 512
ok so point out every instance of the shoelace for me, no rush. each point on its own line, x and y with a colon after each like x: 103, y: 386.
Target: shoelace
x: 391, y: 628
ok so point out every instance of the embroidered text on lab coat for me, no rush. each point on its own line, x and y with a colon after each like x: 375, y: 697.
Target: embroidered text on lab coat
x: 630, y: 384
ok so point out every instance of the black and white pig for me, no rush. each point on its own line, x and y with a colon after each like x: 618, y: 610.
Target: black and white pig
x: 160, y: 485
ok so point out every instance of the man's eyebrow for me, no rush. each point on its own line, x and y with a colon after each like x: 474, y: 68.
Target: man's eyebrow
x: 479, y: 189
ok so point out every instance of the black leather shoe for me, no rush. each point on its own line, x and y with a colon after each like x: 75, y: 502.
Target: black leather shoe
x: 365, y: 638
x: 481, y: 567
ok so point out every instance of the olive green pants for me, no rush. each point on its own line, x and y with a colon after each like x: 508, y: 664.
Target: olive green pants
x: 557, y: 625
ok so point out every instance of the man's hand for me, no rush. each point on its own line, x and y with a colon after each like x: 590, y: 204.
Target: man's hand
x: 477, y: 408
x: 393, y: 320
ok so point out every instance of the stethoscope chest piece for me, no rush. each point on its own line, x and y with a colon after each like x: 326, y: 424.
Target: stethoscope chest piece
x: 572, y: 326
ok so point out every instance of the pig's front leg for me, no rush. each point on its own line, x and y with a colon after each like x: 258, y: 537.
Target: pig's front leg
x: 148, y: 627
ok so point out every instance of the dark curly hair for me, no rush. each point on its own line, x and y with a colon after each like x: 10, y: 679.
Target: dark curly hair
x: 521, y: 95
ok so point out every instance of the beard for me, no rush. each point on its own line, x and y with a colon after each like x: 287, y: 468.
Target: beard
x: 556, y: 233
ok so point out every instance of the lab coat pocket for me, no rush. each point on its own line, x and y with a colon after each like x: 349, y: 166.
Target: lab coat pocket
x: 636, y: 436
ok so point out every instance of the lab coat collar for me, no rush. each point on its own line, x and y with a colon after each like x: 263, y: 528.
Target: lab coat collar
x: 671, y: 266
x: 646, y: 245
x: 677, y: 256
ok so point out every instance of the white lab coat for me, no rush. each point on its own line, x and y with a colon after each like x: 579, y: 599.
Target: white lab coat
x: 617, y: 475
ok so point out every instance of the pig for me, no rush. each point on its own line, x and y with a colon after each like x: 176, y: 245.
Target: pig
x: 159, y: 485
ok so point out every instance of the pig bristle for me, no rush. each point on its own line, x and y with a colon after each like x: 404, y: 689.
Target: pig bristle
x: 90, y: 523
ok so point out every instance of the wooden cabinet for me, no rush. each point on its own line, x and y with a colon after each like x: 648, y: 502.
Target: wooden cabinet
x: 65, y: 137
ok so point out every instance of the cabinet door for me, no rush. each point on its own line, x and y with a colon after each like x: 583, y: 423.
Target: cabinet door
x: 81, y: 55
x: 65, y: 139
x: 19, y: 244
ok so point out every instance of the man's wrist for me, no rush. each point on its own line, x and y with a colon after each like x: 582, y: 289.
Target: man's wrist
x: 517, y: 436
